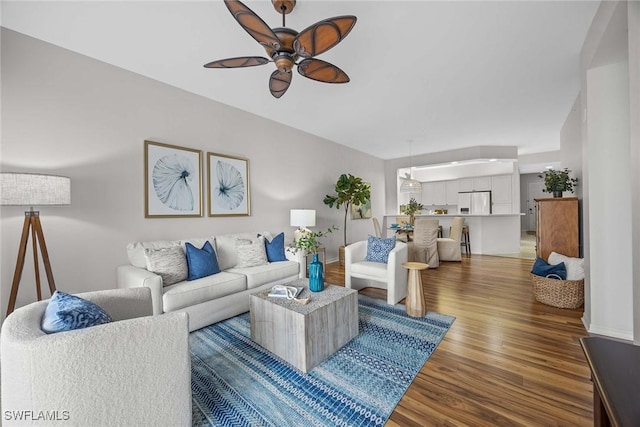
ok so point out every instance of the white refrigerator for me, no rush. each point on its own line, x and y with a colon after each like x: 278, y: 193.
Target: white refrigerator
x: 474, y: 203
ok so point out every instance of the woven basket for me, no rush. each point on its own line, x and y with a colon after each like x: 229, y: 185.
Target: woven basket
x: 558, y: 293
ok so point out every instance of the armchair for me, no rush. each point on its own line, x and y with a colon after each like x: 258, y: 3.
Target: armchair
x: 359, y: 274
x: 133, y: 371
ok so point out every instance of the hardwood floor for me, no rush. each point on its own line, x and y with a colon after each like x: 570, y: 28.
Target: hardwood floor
x: 508, y: 360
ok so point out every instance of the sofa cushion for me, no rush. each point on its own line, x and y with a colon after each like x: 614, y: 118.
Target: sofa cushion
x: 66, y: 312
x: 201, y: 262
x: 275, y: 248
x: 251, y: 253
x: 369, y: 269
x: 226, y: 247
x: 135, y: 250
x: 169, y: 263
x: 258, y: 276
x: 186, y: 293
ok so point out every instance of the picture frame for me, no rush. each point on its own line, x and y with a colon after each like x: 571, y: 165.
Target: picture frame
x: 362, y: 211
x: 172, y: 181
x: 228, y: 184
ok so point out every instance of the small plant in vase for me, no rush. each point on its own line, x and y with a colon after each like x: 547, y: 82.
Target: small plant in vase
x: 557, y: 181
x: 411, y: 209
x: 308, y: 243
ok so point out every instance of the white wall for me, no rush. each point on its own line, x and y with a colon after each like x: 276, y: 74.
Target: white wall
x: 633, y: 13
x: 66, y: 114
x: 610, y: 161
x: 610, y: 252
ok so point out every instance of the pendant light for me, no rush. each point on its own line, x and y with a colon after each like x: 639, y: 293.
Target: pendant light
x: 410, y: 185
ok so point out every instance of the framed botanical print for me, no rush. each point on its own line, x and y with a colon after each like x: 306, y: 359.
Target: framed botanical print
x: 362, y: 211
x: 172, y: 181
x: 228, y: 180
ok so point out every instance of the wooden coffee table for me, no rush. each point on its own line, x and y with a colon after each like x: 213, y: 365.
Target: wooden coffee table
x: 305, y: 335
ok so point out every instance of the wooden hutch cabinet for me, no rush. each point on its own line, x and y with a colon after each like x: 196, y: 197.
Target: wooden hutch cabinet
x: 557, y: 227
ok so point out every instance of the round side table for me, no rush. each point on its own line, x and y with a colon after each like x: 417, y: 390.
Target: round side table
x: 415, y: 304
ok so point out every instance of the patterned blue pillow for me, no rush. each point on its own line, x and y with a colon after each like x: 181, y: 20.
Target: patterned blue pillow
x: 201, y: 262
x: 378, y: 248
x: 68, y: 312
x: 275, y: 248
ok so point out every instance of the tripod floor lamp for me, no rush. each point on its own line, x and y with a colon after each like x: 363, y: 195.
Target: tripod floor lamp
x: 27, y: 189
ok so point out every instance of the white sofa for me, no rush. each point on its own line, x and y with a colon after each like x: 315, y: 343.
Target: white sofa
x: 134, y: 371
x: 213, y: 298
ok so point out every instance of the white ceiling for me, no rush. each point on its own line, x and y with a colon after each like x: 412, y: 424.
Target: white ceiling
x: 443, y: 74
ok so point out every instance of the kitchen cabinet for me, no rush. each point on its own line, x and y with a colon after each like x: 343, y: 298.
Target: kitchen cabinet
x: 451, y: 190
x: 501, y: 194
x: 434, y: 194
x: 482, y: 183
x: 557, y: 227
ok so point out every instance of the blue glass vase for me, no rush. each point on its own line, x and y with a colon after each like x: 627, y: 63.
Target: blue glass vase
x: 316, y: 276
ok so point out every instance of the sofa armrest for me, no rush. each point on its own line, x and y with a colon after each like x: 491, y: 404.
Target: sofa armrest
x: 354, y: 252
x: 298, y: 256
x: 122, y: 304
x: 119, y: 384
x: 129, y: 276
x: 396, y: 274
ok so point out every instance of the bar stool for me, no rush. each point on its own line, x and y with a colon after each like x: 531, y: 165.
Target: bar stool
x: 465, y: 242
x: 440, y: 231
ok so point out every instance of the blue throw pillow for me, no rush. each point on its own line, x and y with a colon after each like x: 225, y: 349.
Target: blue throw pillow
x: 544, y: 269
x: 378, y: 248
x: 275, y: 248
x: 201, y: 262
x: 68, y: 312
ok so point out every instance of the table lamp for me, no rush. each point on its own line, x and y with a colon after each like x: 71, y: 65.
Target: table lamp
x: 302, y: 218
x: 28, y: 189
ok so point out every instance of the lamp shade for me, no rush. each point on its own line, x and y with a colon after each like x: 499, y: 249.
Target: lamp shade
x: 303, y: 217
x: 31, y: 189
x: 410, y: 185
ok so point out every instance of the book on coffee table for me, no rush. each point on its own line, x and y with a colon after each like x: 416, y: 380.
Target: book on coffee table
x: 282, y: 291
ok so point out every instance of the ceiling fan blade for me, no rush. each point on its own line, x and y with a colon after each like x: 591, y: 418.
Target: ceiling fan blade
x: 316, y: 69
x: 279, y: 82
x: 253, y: 24
x: 242, y: 61
x: 323, y: 35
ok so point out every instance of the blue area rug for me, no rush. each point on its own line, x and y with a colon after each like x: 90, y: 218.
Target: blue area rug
x: 235, y: 382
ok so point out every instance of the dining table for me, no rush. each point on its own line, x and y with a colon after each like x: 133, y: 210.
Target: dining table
x: 405, y: 230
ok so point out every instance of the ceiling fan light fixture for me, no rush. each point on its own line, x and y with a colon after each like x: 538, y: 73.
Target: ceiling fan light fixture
x: 285, y: 46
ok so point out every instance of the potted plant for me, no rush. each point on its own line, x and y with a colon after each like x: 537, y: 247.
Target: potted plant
x: 308, y: 242
x: 557, y: 181
x: 349, y: 190
x: 411, y: 209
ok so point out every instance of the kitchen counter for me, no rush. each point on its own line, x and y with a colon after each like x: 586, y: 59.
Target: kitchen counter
x: 490, y: 234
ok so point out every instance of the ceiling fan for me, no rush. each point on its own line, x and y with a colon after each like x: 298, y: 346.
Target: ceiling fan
x: 285, y: 46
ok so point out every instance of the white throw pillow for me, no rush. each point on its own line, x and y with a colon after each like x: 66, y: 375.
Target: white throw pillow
x: 169, y: 263
x: 575, y: 266
x: 251, y: 253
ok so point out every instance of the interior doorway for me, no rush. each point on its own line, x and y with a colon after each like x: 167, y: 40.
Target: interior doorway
x: 534, y: 191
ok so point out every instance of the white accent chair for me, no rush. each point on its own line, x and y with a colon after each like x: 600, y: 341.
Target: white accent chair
x: 424, y: 246
x: 449, y: 248
x: 359, y: 274
x: 134, y: 371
